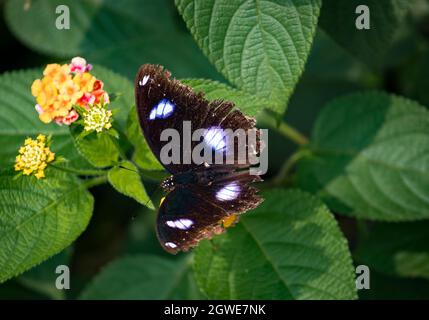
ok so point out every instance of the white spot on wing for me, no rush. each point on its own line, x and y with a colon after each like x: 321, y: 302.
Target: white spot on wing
x: 152, y: 115
x: 171, y: 224
x: 182, y: 224
x: 162, y: 110
x: 215, y: 138
x: 229, y: 192
x: 144, y: 80
x: 170, y: 245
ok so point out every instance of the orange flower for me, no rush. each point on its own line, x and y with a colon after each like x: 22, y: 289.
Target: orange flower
x: 45, y: 91
x: 70, y: 118
x: 63, y: 75
x: 98, y: 85
x: 70, y: 91
x: 45, y: 116
x: 99, y: 93
x: 64, y: 86
x: 85, y: 81
x: 61, y: 107
x: 52, y: 70
x: 86, y: 100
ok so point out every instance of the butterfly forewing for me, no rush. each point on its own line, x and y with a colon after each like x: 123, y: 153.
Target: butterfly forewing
x: 164, y: 103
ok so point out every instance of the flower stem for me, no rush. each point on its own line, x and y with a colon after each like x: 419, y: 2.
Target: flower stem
x: 292, y: 134
x: 284, y: 173
x: 81, y: 172
x: 95, y: 181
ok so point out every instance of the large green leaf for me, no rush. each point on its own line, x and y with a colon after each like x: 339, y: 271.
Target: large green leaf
x: 142, y: 155
x: 144, y: 277
x: 397, y: 249
x: 338, y: 18
x: 121, y: 35
x: 125, y: 178
x: 370, y: 152
x: 260, y: 46
x: 39, y: 218
x: 290, y: 247
x: 247, y: 103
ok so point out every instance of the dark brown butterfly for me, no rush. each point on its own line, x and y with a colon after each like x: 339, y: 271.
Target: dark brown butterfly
x: 203, y: 199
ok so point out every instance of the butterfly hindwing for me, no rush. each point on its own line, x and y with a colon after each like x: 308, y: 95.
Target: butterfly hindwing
x: 193, y: 212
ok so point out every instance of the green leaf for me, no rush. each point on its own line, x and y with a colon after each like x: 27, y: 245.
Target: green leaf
x: 397, y: 249
x: 290, y: 247
x: 125, y: 178
x: 144, y: 277
x: 142, y: 155
x: 248, y: 104
x: 338, y: 18
x: 371, y: 154
x: 259, y: 46
x: 39, y: 218
x: 98, y: 148
x: 107, y: 32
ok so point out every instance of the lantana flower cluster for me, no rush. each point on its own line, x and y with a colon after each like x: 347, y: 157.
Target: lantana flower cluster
x: 34, y: 156
x: 97, y: 118
x: 63, y: 94
x: 65, y: 86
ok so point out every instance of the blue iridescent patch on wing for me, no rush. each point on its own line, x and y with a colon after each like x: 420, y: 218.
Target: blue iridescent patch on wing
x: 229, y: 192
x: 215, y: 137
x: 162, y: 110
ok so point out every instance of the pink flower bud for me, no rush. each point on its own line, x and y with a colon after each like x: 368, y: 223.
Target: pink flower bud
x: 78, y: 65
x: 38, y: 108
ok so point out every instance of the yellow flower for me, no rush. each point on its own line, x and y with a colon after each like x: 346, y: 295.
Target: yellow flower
x: 97, y: 118
x: 85, y: 81
x: 45, y: 91
x: 34, y: 156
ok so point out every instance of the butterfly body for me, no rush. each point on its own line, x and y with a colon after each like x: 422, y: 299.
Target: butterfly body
x: 202, y: 198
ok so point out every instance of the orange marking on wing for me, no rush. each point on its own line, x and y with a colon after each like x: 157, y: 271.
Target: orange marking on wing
x: 229, y: 221
x: 161, y: 201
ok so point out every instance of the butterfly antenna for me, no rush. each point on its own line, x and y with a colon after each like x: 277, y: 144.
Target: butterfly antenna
x: 149, y: 196
x: 122, y: 167
x: 152, y: 194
